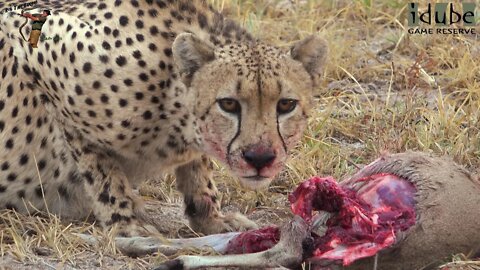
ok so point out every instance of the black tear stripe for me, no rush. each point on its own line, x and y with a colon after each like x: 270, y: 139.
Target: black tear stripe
x: 281, y: 137
x: 239, y: 118
x: 280, y: 89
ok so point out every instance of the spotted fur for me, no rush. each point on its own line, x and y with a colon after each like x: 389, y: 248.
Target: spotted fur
x: 133, y: 88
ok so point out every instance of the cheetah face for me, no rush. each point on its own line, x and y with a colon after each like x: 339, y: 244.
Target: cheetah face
x: 251, y: 100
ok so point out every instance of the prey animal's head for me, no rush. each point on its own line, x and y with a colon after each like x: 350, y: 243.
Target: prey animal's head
x: 252, y: 100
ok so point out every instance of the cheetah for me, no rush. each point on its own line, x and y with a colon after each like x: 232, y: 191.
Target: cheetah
x: 129, y: 89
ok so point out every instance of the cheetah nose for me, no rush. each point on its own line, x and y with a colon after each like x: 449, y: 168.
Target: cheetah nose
x: 259, y: 159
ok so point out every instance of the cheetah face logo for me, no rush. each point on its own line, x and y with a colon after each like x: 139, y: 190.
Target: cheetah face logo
x: 251, y: 100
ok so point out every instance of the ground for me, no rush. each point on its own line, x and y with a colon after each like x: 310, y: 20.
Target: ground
x: 384, y: 90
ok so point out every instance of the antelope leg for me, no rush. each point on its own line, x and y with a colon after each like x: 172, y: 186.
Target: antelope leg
x: 138, y: 246
x: 289, y: 252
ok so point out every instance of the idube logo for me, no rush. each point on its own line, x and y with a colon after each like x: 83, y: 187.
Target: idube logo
x: 442, y: 18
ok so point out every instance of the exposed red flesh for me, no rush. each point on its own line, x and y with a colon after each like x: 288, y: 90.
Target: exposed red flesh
x: 364, y: 221
x: 366, y: 216
x: 254, y: 241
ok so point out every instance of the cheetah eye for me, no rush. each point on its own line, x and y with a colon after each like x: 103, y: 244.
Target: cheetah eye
x: 229, y: 105
x: 286, y: 105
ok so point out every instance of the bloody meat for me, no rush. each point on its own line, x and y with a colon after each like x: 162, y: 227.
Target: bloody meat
x: 365, y: 216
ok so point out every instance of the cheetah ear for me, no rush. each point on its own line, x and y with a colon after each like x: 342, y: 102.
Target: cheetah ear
x: 312, y: 53
x: 190, y: 53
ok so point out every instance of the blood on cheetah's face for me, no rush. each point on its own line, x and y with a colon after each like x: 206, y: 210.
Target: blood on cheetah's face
x: 251, y: 100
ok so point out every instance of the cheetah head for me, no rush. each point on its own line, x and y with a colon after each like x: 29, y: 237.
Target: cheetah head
x: 252, y: 101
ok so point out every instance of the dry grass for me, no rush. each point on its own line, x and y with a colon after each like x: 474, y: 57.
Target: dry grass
x: 384, y: 91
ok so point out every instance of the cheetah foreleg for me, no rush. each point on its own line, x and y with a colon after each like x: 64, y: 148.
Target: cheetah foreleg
x: 202, y: 205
